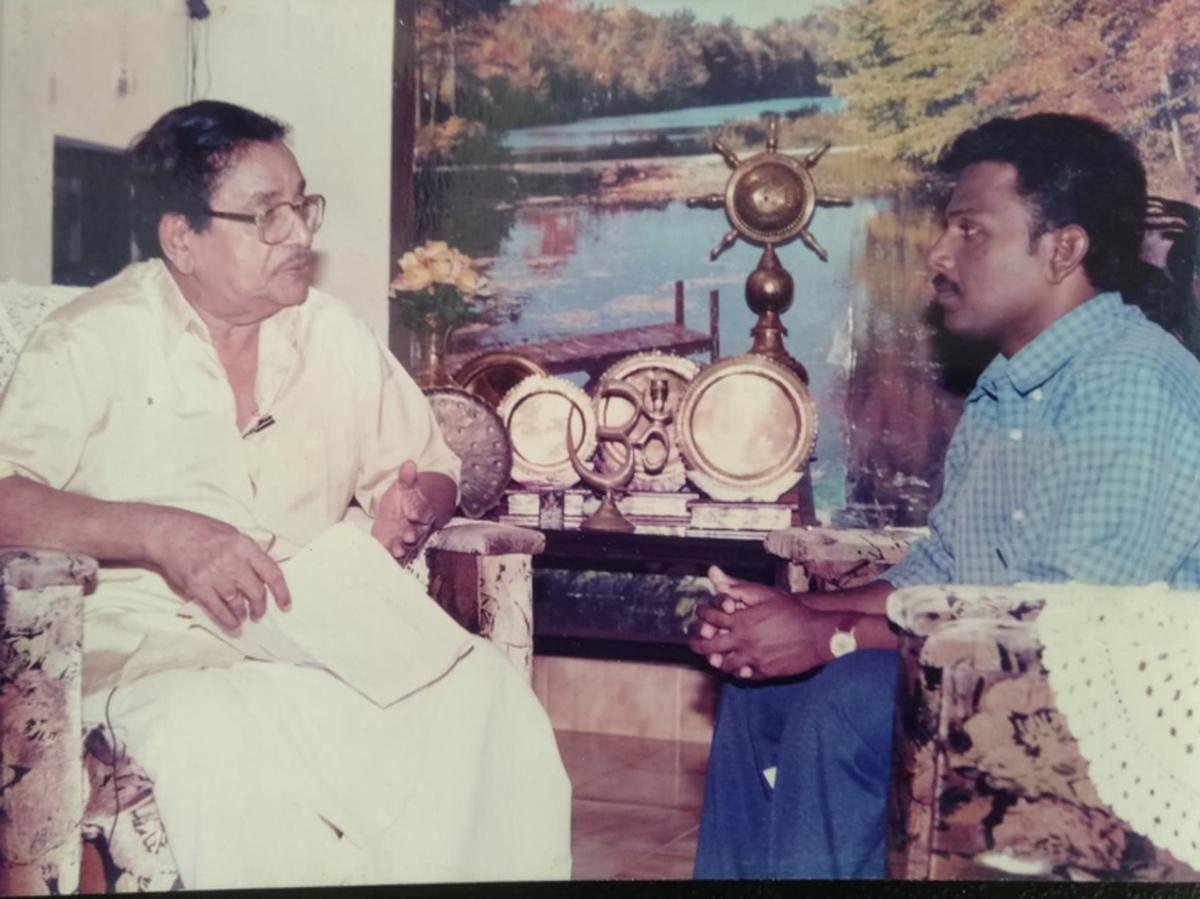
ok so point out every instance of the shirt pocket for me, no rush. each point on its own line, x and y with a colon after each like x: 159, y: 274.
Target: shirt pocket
x: 154, y: 449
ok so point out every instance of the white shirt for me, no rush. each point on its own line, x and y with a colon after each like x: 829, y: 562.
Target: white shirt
x: 120, y: 395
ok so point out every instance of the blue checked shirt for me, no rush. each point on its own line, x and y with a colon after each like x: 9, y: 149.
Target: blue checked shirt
x: 1076, y: 459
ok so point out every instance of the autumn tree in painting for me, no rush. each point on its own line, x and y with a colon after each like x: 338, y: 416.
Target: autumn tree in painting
x: 918, y: 73
x: 559, y: 60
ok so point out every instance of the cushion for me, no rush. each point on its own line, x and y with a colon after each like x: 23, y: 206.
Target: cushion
x: 22, y: 308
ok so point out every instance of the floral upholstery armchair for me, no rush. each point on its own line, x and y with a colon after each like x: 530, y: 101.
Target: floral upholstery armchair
x: 77, y: 814
x: 988, y: 777
x: 988, y: 780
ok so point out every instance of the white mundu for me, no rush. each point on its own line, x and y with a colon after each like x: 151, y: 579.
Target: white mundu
x: 269, y: 774
x: 266, y: 773
x: 389, y: 746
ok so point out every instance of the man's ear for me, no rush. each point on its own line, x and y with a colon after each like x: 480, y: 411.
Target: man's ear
x: 174, y: 236
x: 1069, y: 245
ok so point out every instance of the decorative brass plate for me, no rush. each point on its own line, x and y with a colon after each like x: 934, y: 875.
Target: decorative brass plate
x: 536, y: 413
x: 657, y: 463
x: 770, y: 198
x: 746, y: 427
x: 492, y: 375
x: 477, y: 435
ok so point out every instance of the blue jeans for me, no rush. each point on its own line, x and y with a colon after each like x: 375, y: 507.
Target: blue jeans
x: 829, y: 737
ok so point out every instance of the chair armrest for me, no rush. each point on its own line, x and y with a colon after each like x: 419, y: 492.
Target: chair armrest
x: 41, y: 738
x: 924, y: 609
x: 26, y: 568
x: 987, y: 628
x: 836, y: 558
x: 482, y: 574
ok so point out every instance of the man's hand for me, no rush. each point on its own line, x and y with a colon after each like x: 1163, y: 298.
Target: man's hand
x: 216, y: 566
x: 758, y: 631
x: 732, y: 594
x: 742, y: 593
x: 406, y: 516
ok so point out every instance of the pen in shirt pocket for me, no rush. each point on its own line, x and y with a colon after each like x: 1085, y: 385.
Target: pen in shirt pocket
x: 261, y: 425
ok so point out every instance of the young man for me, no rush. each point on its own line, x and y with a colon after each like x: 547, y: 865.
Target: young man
x: 1075, y: 459
x: 196, y: 420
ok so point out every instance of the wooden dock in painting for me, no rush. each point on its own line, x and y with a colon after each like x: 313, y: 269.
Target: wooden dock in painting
x: 594, y: 353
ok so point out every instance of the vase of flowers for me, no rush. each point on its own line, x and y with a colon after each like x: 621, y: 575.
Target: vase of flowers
x: 437, y: 290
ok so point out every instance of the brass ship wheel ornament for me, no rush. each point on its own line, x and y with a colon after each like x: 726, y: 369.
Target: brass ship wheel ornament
x: 769, y: 200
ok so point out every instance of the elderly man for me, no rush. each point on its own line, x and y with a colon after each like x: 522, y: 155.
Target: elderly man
x: 194, y: 421
x: 1074, y: 460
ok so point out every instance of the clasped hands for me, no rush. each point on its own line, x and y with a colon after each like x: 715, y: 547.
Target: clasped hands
x: 225, y: 572
x: 756, y: 632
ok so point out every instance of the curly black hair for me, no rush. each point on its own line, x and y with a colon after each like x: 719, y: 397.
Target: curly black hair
x: 1072, y: 170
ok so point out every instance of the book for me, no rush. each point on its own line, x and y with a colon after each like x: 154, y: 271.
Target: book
x: 356, y: 614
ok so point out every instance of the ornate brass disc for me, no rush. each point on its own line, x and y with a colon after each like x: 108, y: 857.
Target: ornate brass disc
x: 659, y: 467
x: 475, y: 432
x: 494, y: 374
x: 541, y: 414
x: 747, y: 427
x: 770, y: 198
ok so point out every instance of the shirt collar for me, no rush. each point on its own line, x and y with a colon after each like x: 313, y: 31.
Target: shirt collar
x: 279, y: 335
x: 178, y: 315
x: 1038, y: 361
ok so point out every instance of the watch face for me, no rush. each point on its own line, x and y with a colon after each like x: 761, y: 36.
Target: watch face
x: 841, y: 643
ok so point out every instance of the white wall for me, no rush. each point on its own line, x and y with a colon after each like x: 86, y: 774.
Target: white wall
x: 59, y: 63
x: 323, y: 67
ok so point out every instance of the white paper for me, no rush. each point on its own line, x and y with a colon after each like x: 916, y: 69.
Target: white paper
x: 357, y: 614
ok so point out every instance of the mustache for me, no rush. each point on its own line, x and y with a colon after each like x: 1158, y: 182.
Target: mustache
x: 941, y: 282
x: 302, y: 258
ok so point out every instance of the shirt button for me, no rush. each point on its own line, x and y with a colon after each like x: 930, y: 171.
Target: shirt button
x: 1015, y: 434
x: 1018, y: 515
x: 1037, y: 395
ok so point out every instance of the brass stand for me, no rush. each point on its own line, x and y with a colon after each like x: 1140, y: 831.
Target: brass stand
x: 769, y: 291
x: 607, y: 517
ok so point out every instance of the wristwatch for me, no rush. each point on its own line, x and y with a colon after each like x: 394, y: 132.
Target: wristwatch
x: 843, y: 640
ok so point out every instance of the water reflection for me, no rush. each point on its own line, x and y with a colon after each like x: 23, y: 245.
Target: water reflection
x: 901, y: 402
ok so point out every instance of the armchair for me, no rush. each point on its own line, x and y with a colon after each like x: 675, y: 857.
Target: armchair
x: 988, y: 781
x: 74, y: 813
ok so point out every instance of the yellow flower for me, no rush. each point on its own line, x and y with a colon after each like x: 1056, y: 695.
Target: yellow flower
x: 436, y: 262
x: 414, y: 274
x: 469, y: 282
x: 442, y: 267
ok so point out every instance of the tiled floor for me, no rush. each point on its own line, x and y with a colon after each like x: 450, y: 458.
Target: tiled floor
x: 636, y: 807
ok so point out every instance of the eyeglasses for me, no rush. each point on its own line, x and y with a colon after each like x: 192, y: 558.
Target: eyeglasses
x: 275, y: 224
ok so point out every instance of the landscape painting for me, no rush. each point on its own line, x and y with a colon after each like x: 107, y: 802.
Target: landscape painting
x: 558, y: 141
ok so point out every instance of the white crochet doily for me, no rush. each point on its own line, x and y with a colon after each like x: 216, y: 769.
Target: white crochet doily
x: 22, y: 308
x: 1123, y: 665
